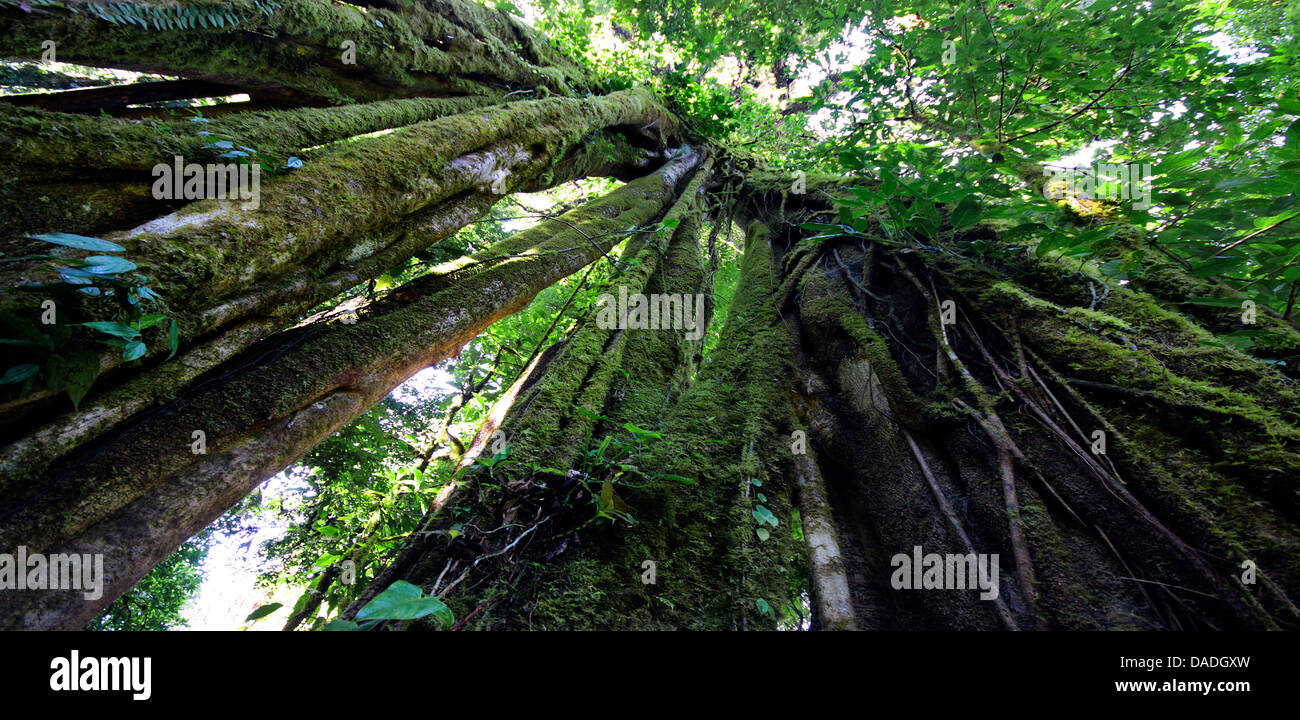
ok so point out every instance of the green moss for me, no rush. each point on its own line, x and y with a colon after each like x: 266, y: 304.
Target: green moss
x: 836, y: 311
x: 455, y: 48
x: 710, y: 565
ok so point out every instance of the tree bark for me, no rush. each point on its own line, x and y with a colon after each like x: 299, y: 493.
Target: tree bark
x: 145, y: 489
x: 962, y: 437
x: 865, y: 397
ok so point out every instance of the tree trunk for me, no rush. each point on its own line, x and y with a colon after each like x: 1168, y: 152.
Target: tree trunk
x: 971, y: 434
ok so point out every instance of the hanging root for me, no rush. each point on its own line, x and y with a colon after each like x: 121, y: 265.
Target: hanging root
x: 989, y: 410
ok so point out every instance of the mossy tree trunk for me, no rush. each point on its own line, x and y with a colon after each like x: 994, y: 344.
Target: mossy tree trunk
x: 381, y: 181
x: 975, y: 432
x: 848, y: 411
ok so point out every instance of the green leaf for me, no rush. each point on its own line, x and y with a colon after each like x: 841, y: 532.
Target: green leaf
x: 263, y: 611
x: 678, y: 478
x: 133, y: 350
x: 1179, y: 161
x: 1024, y: 229
x: 404, y: 601
x: 763, y: 515
x: 108, y: 265
x: 763, y: 607
x: 1054, y: 241
x: 641, y: 432
x: 1292, y: 135
x: 589, y: 414
x: 81, y: 373
x: 74, y: 276
x: 81, y: 242
x: 967, y: 212
x: 1263, y: 222
x: 328, y: 558
x: 113, y: 328
x: 865, y: 195
x: 341, y: 626
x: 173, y: 339
x: 149, y: 321
x: 1217, y: 267
x: 821, y: 227
x: 763, y: 534
x: 888, y: 183
x: 19, y: 373
x: 7, y: 341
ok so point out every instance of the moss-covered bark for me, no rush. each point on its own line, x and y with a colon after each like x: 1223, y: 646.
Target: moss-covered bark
x: 719, y: 449
x: 914, y: 417
x: 974, y: 434
x: 142, y: 490
x: 33, y: 138
x: 431, y: 49
x: 210, y: 248
x: 232, y: 275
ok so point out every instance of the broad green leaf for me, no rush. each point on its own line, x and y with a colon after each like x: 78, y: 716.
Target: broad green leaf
x: 404, y: 601
x: 173, y: 339
x: 967, y: 212
x: 1217, y: 267
x: 108, y: 265
x: 149, y: 321
x: 19, y: 373
x: 134, y: 349
x: 327, y: 559
x: 263, y: 611
x: 1263, y: 222
x: 81, y: 242
x: 641, y: 432
x: 341, y: 626
x: 1054, y: 241
x: 1024, y: 230
x: 113, y: 328
x: 82, y: 371
x: 75, y: 276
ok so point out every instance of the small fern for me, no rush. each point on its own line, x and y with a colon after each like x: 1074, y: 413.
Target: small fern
x: 179, y: 17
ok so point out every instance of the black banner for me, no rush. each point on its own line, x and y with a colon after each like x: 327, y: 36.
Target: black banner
x: 193, y: 670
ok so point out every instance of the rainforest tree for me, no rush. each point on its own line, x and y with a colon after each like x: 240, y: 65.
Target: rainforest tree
x: 938, y: 333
